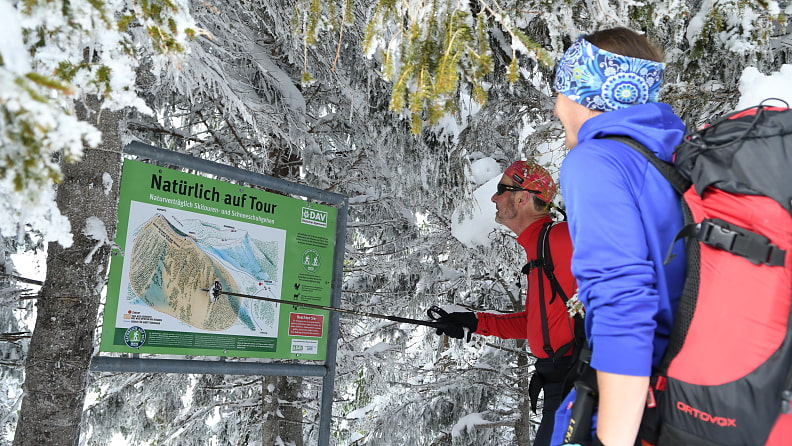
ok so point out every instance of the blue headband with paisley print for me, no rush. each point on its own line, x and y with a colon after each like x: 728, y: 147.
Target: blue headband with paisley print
x: 605, y: 81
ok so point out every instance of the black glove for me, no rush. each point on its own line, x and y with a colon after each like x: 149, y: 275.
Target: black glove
x: 453, y: 324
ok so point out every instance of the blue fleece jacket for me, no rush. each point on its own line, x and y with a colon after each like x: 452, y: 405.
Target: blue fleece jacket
x: 623, y: 217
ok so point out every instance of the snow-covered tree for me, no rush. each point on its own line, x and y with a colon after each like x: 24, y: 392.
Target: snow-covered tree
x: 62, y: 343
x: 60, y: 59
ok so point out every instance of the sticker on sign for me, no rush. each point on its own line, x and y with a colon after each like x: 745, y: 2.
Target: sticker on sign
x: 304, y: 346
x: 314, y: 217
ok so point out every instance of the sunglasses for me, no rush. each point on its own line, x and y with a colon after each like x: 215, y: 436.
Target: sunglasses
x: 506, y: 187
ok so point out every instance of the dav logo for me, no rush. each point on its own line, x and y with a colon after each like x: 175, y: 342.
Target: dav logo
x: 314, y: 217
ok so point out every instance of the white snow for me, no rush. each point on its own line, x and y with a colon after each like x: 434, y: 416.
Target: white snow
x: 58, y: 39
x: 756, y: 86
x: 468, y: 422
x: 15, y: 57
x: 377, y: 348
x: 474, y: 230
x: 484, y: 169
x: 376, y: 402
x: 95, y: 229
x: 107, y: 183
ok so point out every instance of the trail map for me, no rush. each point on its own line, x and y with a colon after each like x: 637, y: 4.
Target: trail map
x: 175, y: 254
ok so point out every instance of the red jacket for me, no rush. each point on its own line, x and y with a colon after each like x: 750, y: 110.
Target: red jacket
x: 528, y: 324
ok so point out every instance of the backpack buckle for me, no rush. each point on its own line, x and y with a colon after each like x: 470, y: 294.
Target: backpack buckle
x: 754, y: 247
x: 716, y: 235
x: 535, y: 263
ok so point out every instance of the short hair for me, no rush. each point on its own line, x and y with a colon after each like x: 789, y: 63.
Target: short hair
x: 626, y: 42
x: 539, y: 204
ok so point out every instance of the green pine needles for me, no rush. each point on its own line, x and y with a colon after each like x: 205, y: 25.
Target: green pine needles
x: 434, y: 52
x: 437, y: 49
x: 37, y: 124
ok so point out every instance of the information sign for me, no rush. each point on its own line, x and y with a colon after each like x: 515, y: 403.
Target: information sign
x: 179, y: 233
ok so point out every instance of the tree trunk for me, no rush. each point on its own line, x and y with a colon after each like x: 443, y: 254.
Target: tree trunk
x: 283, y: 420
x: 523, y: 431
x: 56, y: 369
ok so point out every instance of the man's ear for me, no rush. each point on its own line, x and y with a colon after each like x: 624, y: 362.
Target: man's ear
x: 523, y: 199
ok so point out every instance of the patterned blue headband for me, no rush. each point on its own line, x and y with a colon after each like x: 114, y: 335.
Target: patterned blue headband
x: 605, y: 81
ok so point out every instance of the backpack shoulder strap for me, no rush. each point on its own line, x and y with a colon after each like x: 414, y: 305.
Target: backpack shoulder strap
x: 544, y: 260
x: 548, y: 266
x: 541, y: 262
x: 677, y: 180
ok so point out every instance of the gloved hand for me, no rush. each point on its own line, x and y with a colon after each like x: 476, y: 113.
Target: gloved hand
x: 453, y: 324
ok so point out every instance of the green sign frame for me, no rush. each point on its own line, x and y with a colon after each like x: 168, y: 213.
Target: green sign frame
x: 179, y: 233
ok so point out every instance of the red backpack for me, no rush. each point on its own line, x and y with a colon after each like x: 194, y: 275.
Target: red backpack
x: 727, y: 375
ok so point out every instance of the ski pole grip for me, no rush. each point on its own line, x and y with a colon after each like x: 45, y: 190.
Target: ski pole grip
x: 579, y: 428
x: 434, y: 312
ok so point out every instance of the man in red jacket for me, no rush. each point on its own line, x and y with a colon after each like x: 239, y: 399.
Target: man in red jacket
x: 523, y: 202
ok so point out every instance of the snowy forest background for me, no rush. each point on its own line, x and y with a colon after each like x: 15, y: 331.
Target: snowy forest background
x: 409, y: 108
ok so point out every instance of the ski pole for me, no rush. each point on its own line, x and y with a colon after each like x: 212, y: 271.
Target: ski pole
x: 579, y: 427
x: 217, y: 291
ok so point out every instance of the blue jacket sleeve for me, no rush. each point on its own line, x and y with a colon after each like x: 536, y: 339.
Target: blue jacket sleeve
x: 616, y: 279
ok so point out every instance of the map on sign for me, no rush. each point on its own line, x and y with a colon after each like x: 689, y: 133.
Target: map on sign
x: 173, y: 255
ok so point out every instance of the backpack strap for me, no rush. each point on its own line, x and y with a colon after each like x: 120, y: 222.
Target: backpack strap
x: 549, y: 267
x: 721, y: 234
x: 544, y: 260
x: 541, y: 262
x: 678, y: 182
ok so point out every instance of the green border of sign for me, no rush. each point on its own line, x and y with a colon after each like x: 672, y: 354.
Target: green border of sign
x: 307, y: 265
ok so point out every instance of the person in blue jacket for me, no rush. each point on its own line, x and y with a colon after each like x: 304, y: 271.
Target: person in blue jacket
x: 623, y: 217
